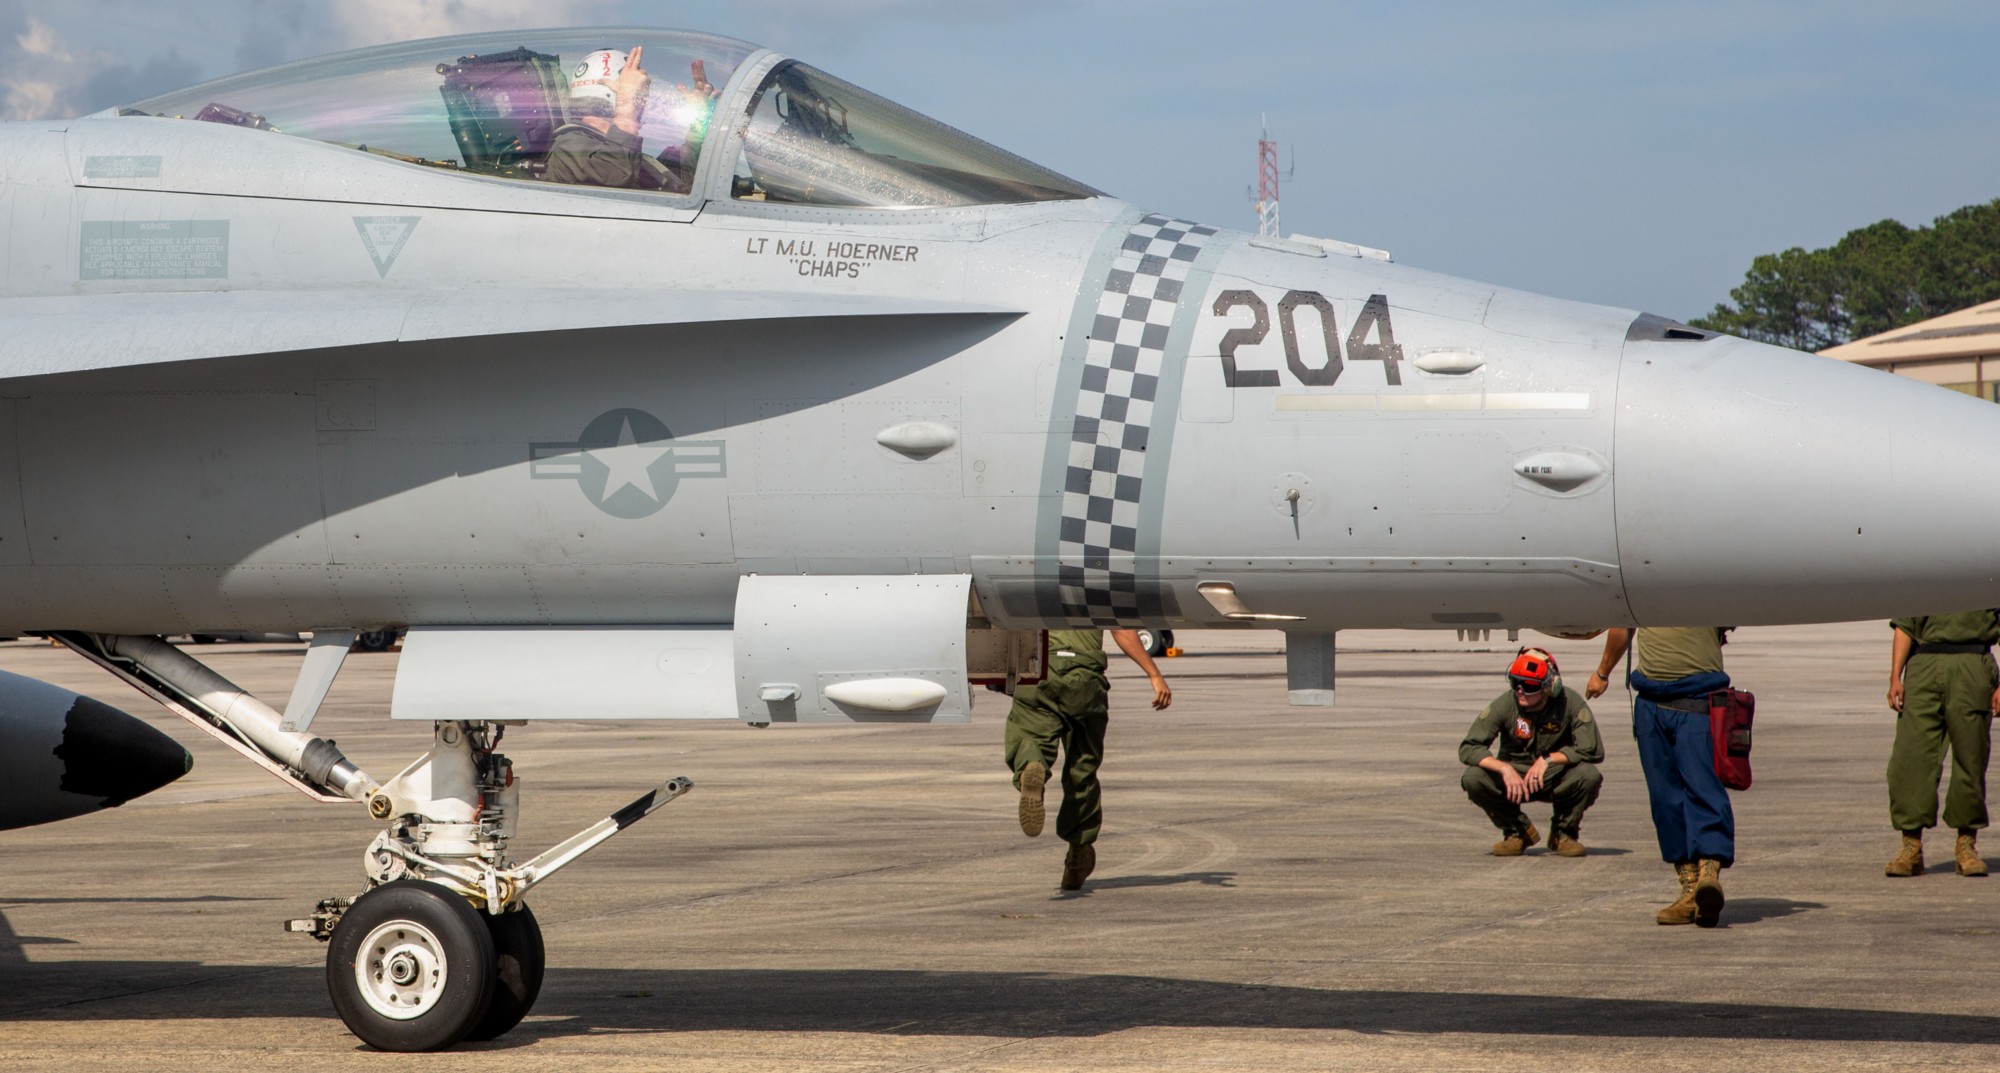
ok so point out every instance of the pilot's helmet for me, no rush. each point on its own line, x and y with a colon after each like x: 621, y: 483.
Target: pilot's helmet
x: 1534, y: 671
x: 590, y: 83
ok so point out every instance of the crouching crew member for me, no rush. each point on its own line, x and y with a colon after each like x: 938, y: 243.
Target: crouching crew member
x: 1549, y: 751
x: 1678, y: 667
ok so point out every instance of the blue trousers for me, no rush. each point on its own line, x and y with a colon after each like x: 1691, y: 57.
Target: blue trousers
x: 1691, y: 813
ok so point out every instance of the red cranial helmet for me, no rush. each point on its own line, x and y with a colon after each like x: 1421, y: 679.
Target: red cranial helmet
x: 1533, y: 671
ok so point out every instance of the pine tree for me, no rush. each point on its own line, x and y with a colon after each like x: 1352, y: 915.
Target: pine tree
x: 1875, y: 278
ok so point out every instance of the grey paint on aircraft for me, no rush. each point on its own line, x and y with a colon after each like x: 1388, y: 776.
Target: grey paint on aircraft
x: 345, y: 405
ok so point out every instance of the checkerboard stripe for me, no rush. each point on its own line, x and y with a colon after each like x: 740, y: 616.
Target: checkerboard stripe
x: 1106, y: 468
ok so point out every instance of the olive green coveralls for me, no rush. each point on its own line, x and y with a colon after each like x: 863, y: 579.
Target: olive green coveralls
x: 1947, y: 700
x: 1070, y: 708
x: 582, y: 156
x: 1563, y: 725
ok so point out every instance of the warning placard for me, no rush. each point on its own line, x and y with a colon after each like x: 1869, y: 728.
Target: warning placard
x: 154, y: 249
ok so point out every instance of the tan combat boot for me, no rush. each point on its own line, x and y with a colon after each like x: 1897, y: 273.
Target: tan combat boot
x: 1077, y: 865
x: 1708, y: 893
x: 1910, y: 861
x: 1033, y: 778
x: 1565, y: 846
x: 1682, y: 911
x: 1967, y: 852
x: 1516, y: 844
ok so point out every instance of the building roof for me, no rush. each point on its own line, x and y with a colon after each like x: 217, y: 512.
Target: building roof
x: 1968, y: 333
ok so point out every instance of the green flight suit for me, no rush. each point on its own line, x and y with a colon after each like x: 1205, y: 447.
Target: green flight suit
x: 1947, y: 700
x: 1069, y: 708
x: 1563, y: 725
x: 583, y: 156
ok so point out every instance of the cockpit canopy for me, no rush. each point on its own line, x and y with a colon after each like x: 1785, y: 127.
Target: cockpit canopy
x: 536, y: 106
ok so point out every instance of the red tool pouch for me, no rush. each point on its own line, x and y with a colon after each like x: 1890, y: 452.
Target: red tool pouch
x: 1730, y: 712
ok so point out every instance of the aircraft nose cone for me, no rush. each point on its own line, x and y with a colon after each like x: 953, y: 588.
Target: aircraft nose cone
x: 63, y: 755
x: 1756, y: 484
x: 111, y: 756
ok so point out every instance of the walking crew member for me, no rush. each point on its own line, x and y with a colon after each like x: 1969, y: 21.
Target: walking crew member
x: 1678, y: 667
x: 1070, y: 708
x: 1549, y: 751
x: 1942, y: 685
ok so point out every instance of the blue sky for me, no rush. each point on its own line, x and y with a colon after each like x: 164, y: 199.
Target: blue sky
x: 1632, y: 154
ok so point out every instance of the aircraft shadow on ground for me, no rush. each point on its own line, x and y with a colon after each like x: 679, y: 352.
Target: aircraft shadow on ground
x: 993, y: 1004
x: 1028, y: 1004
x: 11, y: 954
x: 5, y: 902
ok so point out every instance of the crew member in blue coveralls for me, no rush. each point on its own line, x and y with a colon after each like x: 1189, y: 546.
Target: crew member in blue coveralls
x: 1070, y: 708
x: 1678, y: 667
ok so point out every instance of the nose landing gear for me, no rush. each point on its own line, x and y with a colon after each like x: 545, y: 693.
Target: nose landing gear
x: 413, y: 964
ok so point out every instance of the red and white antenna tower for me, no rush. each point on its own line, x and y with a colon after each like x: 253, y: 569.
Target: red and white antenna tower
x: 1267, y: 182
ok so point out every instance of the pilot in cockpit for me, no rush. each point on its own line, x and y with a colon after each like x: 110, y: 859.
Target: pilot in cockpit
x: 602, y: 144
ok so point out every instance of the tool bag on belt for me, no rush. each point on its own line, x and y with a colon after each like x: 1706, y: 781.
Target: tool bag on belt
x: 1730, y: 712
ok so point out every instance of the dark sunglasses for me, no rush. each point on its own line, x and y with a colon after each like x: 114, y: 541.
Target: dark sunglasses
x: 1530, y: 688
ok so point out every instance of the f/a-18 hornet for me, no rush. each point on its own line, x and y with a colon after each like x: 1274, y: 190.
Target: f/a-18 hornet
x: 654, y: 375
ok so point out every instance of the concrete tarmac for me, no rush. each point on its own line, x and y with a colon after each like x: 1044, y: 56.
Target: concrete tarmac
x: 1277, y: 889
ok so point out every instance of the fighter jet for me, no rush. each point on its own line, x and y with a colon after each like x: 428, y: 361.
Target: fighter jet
x: 654, y: 375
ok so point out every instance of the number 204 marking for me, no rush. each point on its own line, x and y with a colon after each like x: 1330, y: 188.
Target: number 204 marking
x: 1374, y: 314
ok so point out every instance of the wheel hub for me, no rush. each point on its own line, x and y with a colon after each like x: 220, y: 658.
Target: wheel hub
x: 402, y: 970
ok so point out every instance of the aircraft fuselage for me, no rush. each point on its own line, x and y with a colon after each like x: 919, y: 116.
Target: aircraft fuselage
x: 475, y: 415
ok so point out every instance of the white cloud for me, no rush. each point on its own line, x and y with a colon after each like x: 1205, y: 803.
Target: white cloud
x: 40, y: 73
x: 29, y: 100
x: 41, y: 41
x: 374, y: 22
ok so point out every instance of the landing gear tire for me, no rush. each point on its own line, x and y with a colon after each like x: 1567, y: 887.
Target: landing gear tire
x: 411, y: 967
x: 1156, y: 642
x: 374, y: 640
x: 518, y: 961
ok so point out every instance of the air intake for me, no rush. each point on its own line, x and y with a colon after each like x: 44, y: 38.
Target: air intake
x: 1650, y: 328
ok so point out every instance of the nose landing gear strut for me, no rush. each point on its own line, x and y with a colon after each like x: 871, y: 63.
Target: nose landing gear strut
x: 413, y: 964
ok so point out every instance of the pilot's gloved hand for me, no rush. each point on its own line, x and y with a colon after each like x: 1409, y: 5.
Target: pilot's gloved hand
x: 702, y: 89
x: 631, y: 85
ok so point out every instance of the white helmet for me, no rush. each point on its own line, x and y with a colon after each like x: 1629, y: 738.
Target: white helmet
x: 593, y: 76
